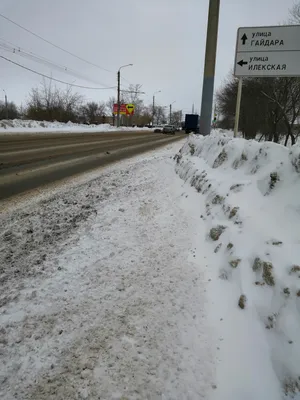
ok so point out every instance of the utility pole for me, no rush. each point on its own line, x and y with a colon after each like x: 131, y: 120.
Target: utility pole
x: 153, y: 105
x: 119, y: 90
x: 171, y: 111
x: 193, y: 109
x: 153, y: 112
x: 6, y: 104
x: 209, y: 67
x: 6, y: 107
x: 118, y: 98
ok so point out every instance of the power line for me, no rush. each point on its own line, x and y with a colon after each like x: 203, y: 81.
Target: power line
x: 124, y: 79
x: 12, y: 48
x: 57, y: 80
x: 42, y: 60
x: 131, y: 91
x: 52, y: 44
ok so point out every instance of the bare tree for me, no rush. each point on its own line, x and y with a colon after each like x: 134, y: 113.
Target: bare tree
x: 11, y: 112
x: 102, y: 108
x: 176, y: 118
x: 93, y: 113
x: 285, y: 95
x: 49, y: 103
x: 160, y: 115
x: 145, y: 116
x: 258, y: 114
x: 132, y: 95
x: 90, y: 112
x: 110, y: 106
x: 68, y: 103
x: 294, y: 14
x: 270, y: 106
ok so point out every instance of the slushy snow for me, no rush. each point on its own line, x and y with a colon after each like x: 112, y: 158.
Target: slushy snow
x: 102, y: 296
x: 134, y: 282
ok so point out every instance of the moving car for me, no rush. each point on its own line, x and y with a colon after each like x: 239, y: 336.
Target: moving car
x: 158, y: 129
x: 169, y: 129
x: 191, y: 123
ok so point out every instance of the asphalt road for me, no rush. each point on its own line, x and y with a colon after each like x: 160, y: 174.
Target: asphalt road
x: 33, y: 160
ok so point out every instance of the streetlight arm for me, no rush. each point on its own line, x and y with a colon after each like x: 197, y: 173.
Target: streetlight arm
x: 123, y: 66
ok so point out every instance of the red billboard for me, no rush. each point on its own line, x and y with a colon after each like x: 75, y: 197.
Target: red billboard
x: 125, y: 109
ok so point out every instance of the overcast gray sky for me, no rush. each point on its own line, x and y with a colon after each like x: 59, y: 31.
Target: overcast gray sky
x: 164, y: 39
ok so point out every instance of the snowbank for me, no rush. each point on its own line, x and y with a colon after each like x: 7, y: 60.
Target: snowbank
x: 252, y: 250
x: 230, y: 133
x: 101, y: 294
x: 30, y: 126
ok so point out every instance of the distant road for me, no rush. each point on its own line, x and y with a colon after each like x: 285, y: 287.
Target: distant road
x: 28, y: 161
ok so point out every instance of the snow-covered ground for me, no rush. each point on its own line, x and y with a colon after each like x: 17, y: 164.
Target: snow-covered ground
x: 29, y: 126
x: 103, y: 292
x: 135, y: 283
x: 230, y: 133
x: 250, y: 210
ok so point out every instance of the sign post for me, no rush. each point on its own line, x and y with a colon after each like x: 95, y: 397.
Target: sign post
x: 267, y: 51
x: 238, y: 107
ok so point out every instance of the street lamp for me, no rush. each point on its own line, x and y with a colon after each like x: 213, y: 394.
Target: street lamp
x: 153, y: 110
x: 119, y: 84
x: 171, y: 111
x: 6, y: 105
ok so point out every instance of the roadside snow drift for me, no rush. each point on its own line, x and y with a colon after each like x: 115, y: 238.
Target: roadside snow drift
x: 250, y: 192
x: 30, y: 126
x: 101, y: 295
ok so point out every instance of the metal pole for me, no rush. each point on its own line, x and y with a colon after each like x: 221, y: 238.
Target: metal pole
x: 209, y: 67
x: 153, y: 112
x: 119, y: 90
x: 171, y: 111
x: 118, y: 100
x: 238, y: 107
x: 6, y: 107
x: 6, y: 104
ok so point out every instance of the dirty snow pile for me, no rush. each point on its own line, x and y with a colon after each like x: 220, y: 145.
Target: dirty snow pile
x: 102, y: 296
x: 249, y: 205
x: 30, y: 126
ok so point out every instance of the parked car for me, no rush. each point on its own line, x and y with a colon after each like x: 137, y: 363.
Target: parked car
x: 169, y: 129
x: 158, y: 129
